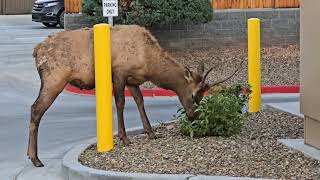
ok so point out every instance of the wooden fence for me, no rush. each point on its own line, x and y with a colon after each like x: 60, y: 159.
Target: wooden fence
x: 74, y: 6
x: 245, y: 4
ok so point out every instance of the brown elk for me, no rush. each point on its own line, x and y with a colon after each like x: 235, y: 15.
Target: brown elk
x: 67, y: 58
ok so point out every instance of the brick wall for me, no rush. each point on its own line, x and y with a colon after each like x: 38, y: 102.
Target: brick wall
x: 75, y: 21
x: 228, y: 28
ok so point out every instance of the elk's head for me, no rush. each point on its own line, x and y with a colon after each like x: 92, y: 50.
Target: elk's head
x: 195, y: 87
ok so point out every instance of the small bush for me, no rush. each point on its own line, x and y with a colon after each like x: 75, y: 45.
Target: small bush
x: 219, y: 114
x: 92, y: 10
x: 154, y: 12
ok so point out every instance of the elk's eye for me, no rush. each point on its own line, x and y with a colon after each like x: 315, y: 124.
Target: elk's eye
x: 192, y: 96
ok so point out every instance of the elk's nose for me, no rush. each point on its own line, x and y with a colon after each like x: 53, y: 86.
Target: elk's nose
x: 191, y: 116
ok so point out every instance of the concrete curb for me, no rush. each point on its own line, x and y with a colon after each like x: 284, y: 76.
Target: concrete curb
x: 282, y: 97
x: 162, y: 92
x: 73, y: 170
x: 299, y: 145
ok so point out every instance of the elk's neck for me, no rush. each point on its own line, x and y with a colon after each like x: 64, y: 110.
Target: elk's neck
x: 167, y: 74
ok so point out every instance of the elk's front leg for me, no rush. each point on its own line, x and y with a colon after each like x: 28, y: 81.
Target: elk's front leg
x: 137, y: 95
x: 119, y: 88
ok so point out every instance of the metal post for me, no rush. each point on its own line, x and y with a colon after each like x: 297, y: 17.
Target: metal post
x: 110, y: 20
x: 254, y: 66
x: 103, y: 81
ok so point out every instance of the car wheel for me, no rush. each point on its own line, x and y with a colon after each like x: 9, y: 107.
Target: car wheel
x: 61, y: 19
x: 50, y: 24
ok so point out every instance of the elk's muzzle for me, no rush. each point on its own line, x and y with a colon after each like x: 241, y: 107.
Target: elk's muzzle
x: 191, y: 115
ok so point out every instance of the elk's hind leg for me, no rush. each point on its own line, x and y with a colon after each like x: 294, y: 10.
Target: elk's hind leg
x: 137, y: 95
x: 48, y: 93
x: 119, y: 88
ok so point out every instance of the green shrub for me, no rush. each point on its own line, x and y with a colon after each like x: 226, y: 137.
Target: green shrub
x: 219, y: 114
x: 92, y: 10
x: 154, y: 12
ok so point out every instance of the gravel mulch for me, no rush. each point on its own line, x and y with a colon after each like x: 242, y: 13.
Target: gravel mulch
x: 253, y: 153
x: 280, y: 65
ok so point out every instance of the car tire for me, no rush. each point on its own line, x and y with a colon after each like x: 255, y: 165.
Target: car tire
x: 61, y: 19
x: 50, y: 24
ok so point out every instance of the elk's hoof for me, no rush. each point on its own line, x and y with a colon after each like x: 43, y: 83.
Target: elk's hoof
x: 152, y: 136
x: 36, y: 162
x: 126, y: 141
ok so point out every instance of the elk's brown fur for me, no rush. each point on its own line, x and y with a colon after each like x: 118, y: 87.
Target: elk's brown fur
x: 67, y: 58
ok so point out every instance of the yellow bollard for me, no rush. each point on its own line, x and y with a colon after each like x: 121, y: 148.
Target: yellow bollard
x: 103, y: 80
x: 254, y: 67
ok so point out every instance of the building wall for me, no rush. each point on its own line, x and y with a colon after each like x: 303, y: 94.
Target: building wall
x: 1, y: 11
x: 228, y: 28
x: 310, y: 74
x: 16, y: 6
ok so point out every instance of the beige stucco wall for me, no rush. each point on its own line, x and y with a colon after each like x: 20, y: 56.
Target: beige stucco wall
x: 16, y: 6
x: 1, y: 7
x: 310, y: 69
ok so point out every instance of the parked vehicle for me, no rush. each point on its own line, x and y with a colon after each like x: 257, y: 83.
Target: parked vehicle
x: 49, y: 12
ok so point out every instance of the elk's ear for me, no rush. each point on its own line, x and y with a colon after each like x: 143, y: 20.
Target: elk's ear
x: 200, y: 68
x: 188, y: 75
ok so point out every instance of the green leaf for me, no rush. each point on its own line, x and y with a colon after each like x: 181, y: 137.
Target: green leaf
x: 219, y: 114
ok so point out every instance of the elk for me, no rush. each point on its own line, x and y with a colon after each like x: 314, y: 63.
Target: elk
x: 68, y: 58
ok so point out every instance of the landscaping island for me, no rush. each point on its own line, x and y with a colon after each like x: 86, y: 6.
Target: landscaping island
x: 255, y: 152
